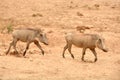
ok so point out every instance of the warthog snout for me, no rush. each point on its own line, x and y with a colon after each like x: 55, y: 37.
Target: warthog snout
x: 43, y: 38
x: 105, y: 50
x: 101, y: 45
x: 46, y: 43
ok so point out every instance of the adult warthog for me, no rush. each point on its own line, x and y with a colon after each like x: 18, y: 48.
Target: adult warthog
x: 84, y: 41
x: 28, y: 35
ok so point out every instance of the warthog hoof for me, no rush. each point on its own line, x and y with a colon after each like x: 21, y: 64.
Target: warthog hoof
x: 83, y: 59
x: 63, y: 56
x: 72, y: 56
x: 95, y: 60
x: 42, y: 52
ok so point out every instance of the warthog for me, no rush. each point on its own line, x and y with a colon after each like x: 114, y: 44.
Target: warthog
x: 84, y: 41
x: 28, y: 35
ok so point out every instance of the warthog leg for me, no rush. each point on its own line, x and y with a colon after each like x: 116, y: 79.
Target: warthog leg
x: 83, y: 53
x: 95, y: 54
x: 69, y: 49
x: 27, y: 47
x: 38, y: 45
x: 9, y: 48
x: 66, y: 46
x: 13, y: 43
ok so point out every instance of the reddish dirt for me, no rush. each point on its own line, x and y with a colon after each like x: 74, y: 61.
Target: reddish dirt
x: 57, y: 17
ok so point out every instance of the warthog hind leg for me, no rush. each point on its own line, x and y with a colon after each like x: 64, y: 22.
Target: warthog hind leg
x: 66, y: 46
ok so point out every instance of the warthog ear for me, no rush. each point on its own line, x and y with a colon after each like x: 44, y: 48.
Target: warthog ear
x: 98, y: 42
x: 38, y: 30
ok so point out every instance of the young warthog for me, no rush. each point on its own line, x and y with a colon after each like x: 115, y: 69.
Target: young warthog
x: 84, y: 41
x: 28, y: 35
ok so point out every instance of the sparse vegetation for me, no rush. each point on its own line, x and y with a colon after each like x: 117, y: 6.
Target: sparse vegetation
x: 37, y: 15
x: 9, y: 28
x: 94, y: 7
x: 79, y: 14
x: 97, y: 5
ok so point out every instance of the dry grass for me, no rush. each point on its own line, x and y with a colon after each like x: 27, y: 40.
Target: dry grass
x: 57, y: 17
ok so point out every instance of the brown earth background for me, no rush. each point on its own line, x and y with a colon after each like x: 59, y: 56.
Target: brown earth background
x: 57, y: 17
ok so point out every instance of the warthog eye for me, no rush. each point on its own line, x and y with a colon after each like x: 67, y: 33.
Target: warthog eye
x: 41, y: 35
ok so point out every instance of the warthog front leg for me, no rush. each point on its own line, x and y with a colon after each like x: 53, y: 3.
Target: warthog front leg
x: 95, y: 54
x: 27, y: 47
x: 38, y: 45
x: 83, y: 53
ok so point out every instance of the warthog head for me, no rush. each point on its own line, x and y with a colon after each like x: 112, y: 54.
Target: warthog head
x: 101, y: 44
x: 42, y: 37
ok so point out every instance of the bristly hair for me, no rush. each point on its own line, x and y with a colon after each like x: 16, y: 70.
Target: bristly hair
x: 32, y: 29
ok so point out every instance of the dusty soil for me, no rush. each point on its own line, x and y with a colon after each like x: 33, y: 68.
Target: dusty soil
x: 57, y: 17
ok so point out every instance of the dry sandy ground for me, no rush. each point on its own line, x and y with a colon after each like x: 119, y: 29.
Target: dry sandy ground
x: 57, y: 17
